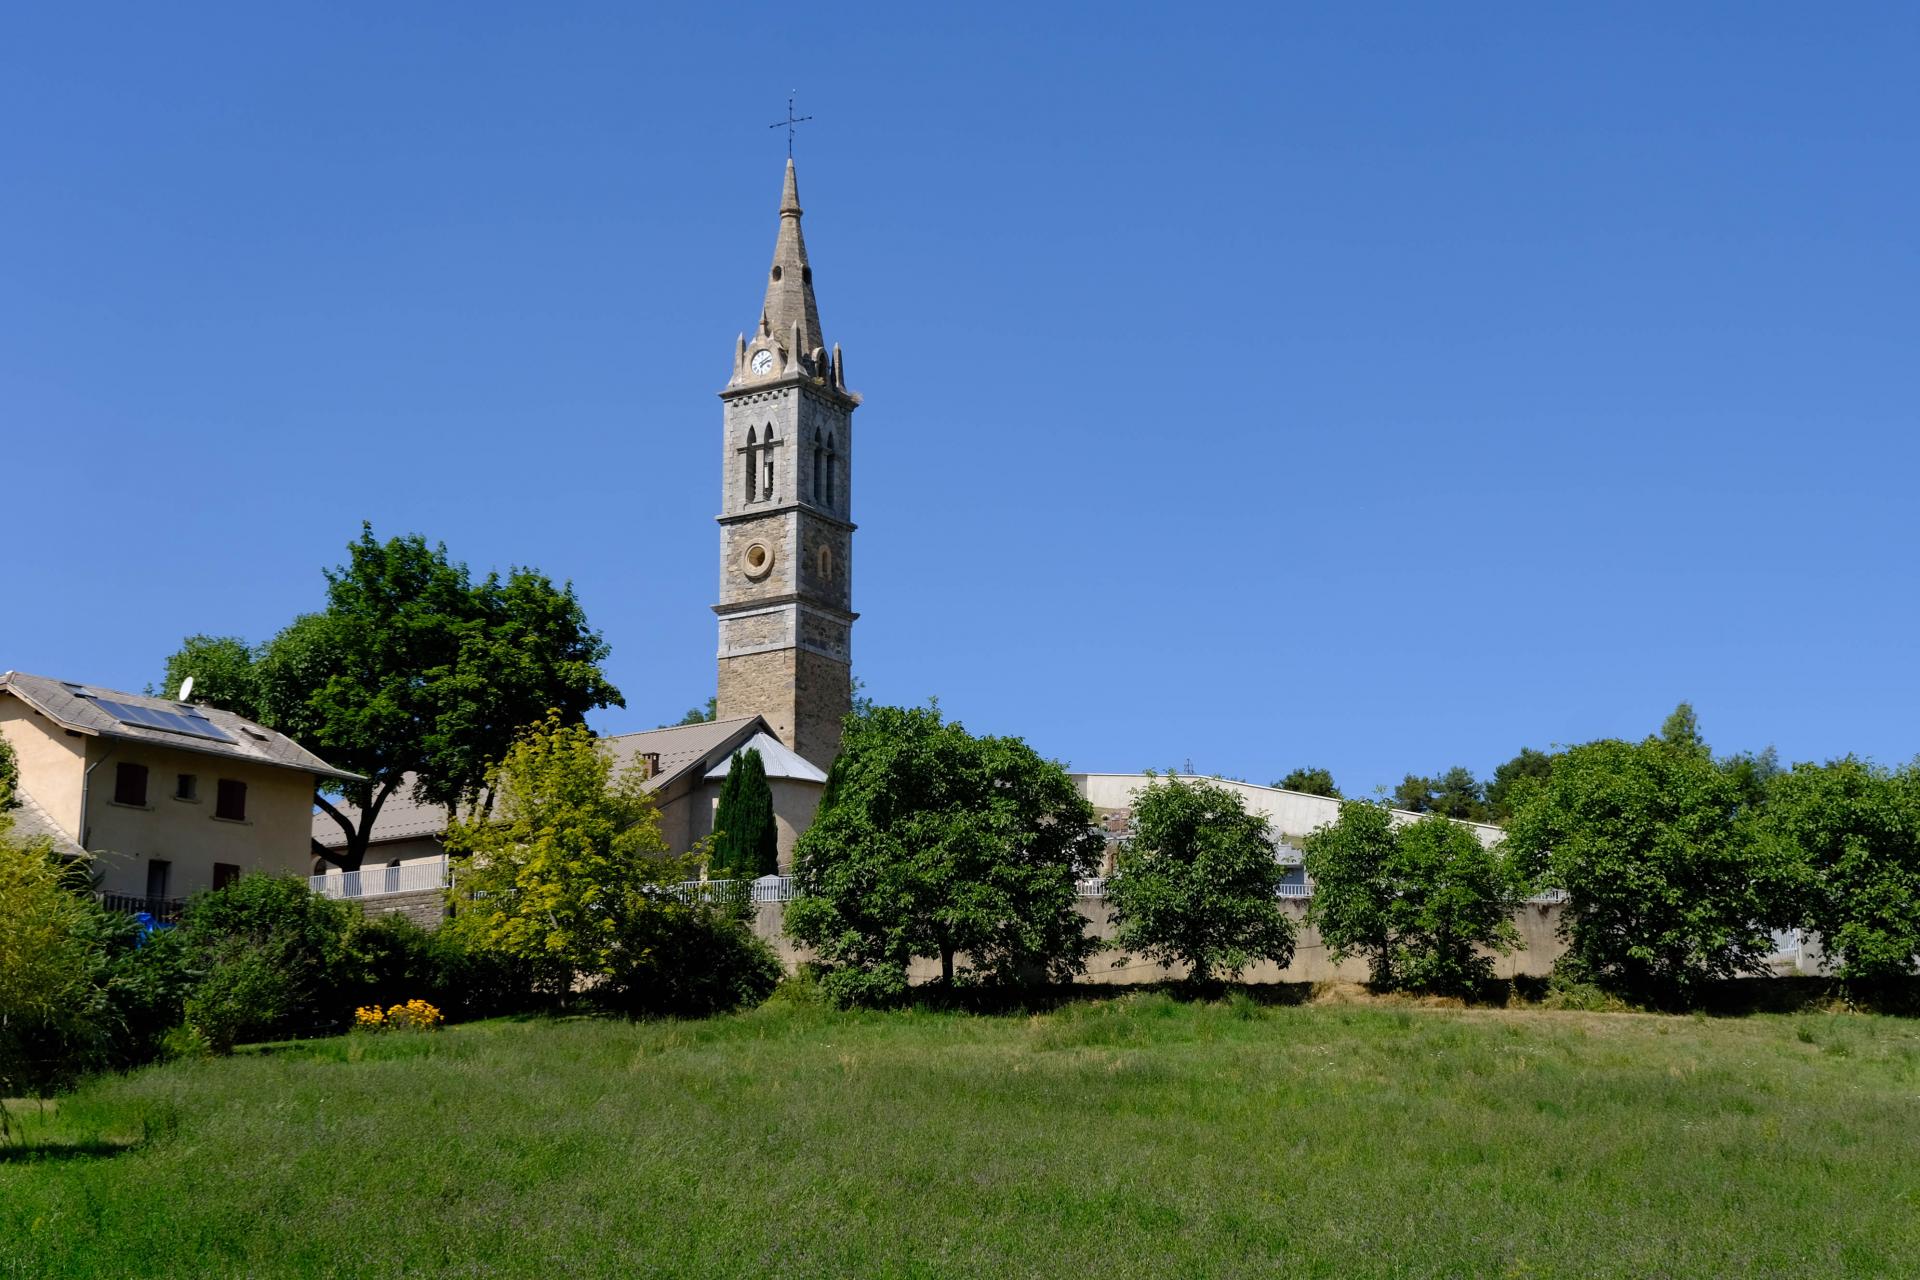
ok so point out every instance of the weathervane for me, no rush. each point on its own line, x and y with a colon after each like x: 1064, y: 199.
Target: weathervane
x: 789, y: 123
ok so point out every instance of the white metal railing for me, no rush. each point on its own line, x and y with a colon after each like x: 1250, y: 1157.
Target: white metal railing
x: 765, y: 889
x: 375, y: 882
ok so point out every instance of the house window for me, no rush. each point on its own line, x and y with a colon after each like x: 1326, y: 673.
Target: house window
x: 130, y: 784
x: 224, y: 874
x: 231, y: 801
x: 753, y: 464
x: 158, y: 872
x: 186, y: 786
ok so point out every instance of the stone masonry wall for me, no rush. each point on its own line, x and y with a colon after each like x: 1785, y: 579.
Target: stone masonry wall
x: 1540, y: 946
x: 425, y: 907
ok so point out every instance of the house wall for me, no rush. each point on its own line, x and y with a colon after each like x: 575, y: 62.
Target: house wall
x: 53, y: 763
x: 274, y: 837
x: 794, y: 803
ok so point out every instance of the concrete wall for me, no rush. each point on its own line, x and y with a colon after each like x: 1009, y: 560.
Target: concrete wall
x: 1539, y: 947
x: 53, y: 762
x: 1293, y: 814
x: 794, y: 802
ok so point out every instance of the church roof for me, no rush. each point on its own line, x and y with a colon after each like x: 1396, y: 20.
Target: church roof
x: 680, y: 747
x: 774, y: 754
x: 789, y: 300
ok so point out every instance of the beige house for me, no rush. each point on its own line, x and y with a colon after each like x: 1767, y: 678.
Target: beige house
x: 165, y: 798
x: 685, y: 766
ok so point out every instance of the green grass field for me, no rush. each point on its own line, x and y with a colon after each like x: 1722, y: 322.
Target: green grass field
x: 1131, y: 1137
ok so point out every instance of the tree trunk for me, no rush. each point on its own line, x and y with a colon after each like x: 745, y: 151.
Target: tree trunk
x: 946, y: 966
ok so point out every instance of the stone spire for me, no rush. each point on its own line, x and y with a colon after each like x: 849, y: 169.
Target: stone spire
x: 789, y: 310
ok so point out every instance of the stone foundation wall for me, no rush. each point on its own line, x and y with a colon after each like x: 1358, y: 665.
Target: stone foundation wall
x: 1540, y: 946
x: 425, y: 907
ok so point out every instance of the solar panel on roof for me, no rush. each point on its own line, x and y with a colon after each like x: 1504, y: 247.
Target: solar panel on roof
x: 190, y: 723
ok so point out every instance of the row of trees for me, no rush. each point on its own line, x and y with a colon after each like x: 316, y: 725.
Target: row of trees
x: 1453, y: 793
x: 1678, y: 868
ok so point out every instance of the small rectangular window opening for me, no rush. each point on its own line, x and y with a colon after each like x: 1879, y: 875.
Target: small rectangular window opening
x: 186, y: 786
x: 130, y: 784
x: 231, y: 801
x: 224, y: 874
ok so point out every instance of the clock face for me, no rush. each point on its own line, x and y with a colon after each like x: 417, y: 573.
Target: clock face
x: 763, y: 362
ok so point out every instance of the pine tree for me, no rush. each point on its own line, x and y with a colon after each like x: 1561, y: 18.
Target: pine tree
x: 747, y: 844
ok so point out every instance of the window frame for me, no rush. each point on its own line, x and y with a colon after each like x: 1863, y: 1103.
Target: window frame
x: 230, y: 789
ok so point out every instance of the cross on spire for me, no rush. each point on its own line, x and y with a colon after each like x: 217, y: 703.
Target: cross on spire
x: 789, y: 123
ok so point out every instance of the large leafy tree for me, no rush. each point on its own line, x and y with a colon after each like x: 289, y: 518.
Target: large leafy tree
x: 560, y: 871
x: 746, y: 841
x: 412, y: 669
x: 931, y: 842
x: 1855, y: 829
x: 1196, y: 882
x: 1425, y: 904
x: 1649, y: 840
x: 1512, y: 777
x: 223, y: 672
x: 1310, y: 780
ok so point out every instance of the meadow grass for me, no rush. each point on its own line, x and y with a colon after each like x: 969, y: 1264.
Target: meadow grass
x: 1129, y: 1137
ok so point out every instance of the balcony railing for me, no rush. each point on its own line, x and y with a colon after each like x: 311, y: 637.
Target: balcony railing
x: 163, y: 910
x: 377, y: 882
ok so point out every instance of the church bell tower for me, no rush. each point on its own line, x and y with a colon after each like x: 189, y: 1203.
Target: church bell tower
x: 786, y: 536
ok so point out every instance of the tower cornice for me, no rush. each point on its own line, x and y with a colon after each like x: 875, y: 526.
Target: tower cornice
x: 781, y: 509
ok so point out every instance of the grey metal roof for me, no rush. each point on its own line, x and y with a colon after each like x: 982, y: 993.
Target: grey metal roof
x: 775, y: 755
x: 30, y: 821
x: 72, y: 706
x: 681, y: 748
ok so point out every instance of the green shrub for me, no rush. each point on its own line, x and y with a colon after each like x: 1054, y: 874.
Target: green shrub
x: 690, y: 962
x: 272, y: 960
x: 392, y: 960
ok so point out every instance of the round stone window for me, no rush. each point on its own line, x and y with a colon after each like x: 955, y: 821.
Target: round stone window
x: 756, y: 560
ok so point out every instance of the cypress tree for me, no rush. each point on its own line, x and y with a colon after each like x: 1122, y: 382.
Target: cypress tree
x: 748, y: 843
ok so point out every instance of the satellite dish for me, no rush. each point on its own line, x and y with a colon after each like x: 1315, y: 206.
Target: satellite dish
x: 186, y: 689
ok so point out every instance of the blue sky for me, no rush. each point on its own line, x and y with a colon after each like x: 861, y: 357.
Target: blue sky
x: 1371, y: 386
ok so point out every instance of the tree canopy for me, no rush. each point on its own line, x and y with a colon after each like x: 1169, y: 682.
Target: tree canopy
x: 1197, y: 882
x: 1511, y: 777
x: 746, y: 841
x: 1666, y: 889
x: 413, y: 668
x: 1310, y: 780
x: 568, y: 855
x: 1425, y: 904
x: 1854, y: 830
x: 933, y: 843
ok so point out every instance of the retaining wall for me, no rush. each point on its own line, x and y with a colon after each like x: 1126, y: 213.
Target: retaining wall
x: 1540, y: 946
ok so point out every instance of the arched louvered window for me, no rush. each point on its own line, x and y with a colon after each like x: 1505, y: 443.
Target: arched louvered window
x: 819, y: 469
x: 753, y: 465
x: 832, y: 460
x: 766, y: 463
